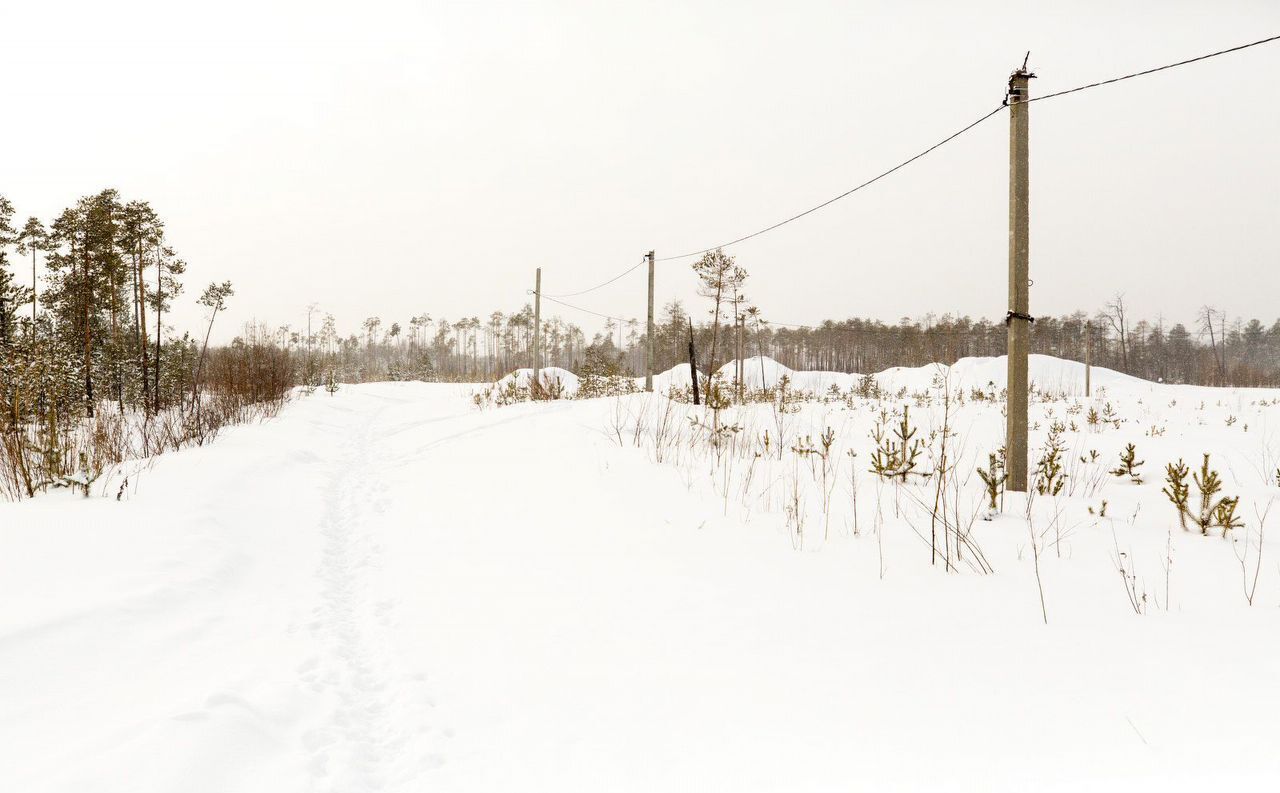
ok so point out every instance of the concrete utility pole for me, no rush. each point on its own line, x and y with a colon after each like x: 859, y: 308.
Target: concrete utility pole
x: 535, y: 383
x: 648, y: 351
x: 1088, y: 352
x: 1019, y: 318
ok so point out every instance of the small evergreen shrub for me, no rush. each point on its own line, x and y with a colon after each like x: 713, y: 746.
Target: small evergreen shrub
x: 895, y: 458
x: 1209, y: 513
x: 1129, y: 465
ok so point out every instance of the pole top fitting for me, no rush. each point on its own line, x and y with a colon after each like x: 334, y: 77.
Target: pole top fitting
x: 1016, y: 92
x: 1022, y: 71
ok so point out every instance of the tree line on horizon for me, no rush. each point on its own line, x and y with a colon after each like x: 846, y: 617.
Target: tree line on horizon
x: 1215, y: 352
x: 93, y: 329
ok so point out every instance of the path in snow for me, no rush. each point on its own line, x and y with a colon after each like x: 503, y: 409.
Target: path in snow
x: 374, y: 736
x: 387, y: 590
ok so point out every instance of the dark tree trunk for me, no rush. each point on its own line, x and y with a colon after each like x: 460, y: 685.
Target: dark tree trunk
x: 693, y: 365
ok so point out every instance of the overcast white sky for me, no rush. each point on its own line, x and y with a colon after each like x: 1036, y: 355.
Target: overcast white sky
x: 397, y: 157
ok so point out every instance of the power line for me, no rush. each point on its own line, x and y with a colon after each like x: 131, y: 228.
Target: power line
x: 932, y: 148
x: 1156, y: 69
x: 965, y: 129
x: 579, y: 308
x: 882, y: 175
x: 845, y: 194
x: 599, y: 286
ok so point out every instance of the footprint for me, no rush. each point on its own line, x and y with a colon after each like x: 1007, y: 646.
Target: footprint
x: 315, y: 740
x: 219, y: 700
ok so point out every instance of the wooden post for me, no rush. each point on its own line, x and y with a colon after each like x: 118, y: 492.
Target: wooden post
x: 1019, y: 318
x: 1088, y: 352
x: 760, y: 352
x: 693, y: 364
x: 648, y: 352
x: 535, y: 385
x: 742, y: 360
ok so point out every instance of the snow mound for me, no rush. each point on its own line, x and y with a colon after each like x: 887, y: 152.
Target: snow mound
x: 761, y: 372
x: 677, y: 377
x: 1054, y: 375
x: 1047, y: 373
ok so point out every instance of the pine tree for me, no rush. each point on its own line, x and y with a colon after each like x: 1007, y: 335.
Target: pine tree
x: 11, y: 295
x: 32, y: 239
x: 214, y: 298
x: 719, y: 278
x: 86, y: 273
x: 168, y: 286
x: 140, y: 237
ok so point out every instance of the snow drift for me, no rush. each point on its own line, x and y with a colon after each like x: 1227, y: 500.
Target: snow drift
x: 1048, y: 374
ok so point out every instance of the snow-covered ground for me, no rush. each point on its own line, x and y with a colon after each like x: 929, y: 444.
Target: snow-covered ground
x: 388, y: 589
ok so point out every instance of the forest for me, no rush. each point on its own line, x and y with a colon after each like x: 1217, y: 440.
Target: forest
x: 93, y: 371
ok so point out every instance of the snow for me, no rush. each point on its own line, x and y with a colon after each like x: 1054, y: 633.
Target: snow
x: 551, y: 377
x: 388, y: 589
x: 677, y: 377
x: 1047, y: 373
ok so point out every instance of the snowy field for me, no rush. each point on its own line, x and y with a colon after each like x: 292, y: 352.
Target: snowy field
x: 388, y: 589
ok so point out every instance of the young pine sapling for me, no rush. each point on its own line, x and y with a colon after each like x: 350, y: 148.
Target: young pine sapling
x: 1129, y: 465
x: 1050, y: 477
x: 1210, y: 513
x: 993, y: 479
x: 895, y: 459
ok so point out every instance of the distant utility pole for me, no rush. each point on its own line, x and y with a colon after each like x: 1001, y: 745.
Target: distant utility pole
x: 1088, y: 352
x: 537, y: 331
x: 1019, y: 318
x: 742, y: 362
x: 648, y: 352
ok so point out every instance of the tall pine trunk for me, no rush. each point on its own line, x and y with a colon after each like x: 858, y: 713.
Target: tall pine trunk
x: 87, y: 299
x: 142, y: 325
x: 35, y: 300
x: 159, y: 326
x: 195, y: 383
x: 715, y: 332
